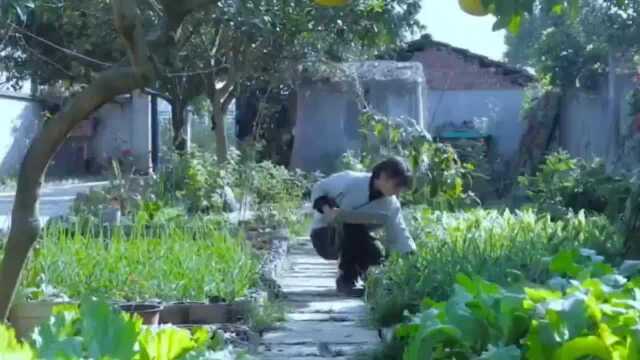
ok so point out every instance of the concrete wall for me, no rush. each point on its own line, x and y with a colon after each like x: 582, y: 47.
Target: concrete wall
x: 327, y: 123
x: 123, y: 124
x: 18, y: 125
x: 598, y: 124
x: 585, y: 127
x: 501, y: 109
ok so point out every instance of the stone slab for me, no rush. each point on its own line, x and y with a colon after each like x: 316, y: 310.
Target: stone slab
x: 313, y: 332
x: 312, y: 351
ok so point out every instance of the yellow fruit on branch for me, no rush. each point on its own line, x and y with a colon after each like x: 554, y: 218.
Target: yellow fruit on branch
x: 331, y: 3
x: 473, y: 7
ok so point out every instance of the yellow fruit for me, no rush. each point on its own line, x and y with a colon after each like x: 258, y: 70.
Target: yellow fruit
x: 331, y: 2
x: 473, y: 7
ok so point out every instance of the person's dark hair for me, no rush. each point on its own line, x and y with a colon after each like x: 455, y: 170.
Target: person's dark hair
x: 396, y: 169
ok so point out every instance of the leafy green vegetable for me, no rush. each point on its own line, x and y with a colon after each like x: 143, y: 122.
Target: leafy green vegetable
x: 587, y: 320
x: 11, y: 348
x: 503, y: 247
x: 96, y: 331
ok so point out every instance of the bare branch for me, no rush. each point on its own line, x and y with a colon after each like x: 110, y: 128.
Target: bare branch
x: 128, y: 22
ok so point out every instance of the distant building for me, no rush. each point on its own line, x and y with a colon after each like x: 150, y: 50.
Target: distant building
x: 465, y: 89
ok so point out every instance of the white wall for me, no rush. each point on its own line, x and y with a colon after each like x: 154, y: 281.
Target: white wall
x: 584, y: 129
x: 590, y: 128
x: 502, y: 109
x: 124, y: 124
x: 18, y: 124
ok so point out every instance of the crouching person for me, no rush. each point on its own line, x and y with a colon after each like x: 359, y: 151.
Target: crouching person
x: 348, y: 195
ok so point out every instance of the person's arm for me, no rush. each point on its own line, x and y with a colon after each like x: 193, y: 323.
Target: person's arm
x: 324, y: 192
x: 399, y: 238
x: 323, y: 202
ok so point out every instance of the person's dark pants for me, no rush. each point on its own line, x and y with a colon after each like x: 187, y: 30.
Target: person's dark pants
x: 358, y: 250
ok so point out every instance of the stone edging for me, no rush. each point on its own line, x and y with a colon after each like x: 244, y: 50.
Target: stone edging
x: 273, y: 264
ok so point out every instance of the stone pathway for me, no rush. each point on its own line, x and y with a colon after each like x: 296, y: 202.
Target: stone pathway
x: 320, y: 324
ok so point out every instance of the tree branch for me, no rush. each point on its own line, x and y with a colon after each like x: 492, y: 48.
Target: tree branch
x: 25, y: 224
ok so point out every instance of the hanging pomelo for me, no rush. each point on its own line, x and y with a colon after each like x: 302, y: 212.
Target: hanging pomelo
x: 331, y: 3
x: 473, y: 7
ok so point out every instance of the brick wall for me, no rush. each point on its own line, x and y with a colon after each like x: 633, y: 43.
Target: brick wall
x: 446, y: 69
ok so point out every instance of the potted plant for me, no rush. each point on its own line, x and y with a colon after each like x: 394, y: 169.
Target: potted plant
x: 150, y: 313
x: 33, y: 306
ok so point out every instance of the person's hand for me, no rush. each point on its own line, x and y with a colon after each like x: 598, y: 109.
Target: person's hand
x: 331, y: 213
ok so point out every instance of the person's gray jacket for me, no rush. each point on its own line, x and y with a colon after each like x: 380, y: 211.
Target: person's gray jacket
x: 351, y: 191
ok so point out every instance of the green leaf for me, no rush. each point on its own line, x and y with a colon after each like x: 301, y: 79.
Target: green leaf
x: 538, y: 295
x: 564, y: 263
x: 107, y: 333
x: 58, y: 338
x: 581, y: 347
x: 167, y: 343
x: 11, y: 348
x: 422, y: 345
x: 570, y: 314
x: 514, y: 24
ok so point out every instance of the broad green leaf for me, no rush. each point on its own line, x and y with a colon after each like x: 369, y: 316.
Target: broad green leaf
x: 538, y: 295
x: 422, y: 345
x: 581, y: 347
x: 572, y: 314
x: 107, y: 333
x: 58, y: 338
x: 538, y: 348
x: 167, y: 343
x: 564, y: 263
x: 11, y: 348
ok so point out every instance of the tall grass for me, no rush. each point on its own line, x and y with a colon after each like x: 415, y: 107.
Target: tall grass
x: 499, y: 246
x: 192, y: 260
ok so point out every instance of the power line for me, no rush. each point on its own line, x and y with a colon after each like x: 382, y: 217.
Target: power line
x: 58, y: 47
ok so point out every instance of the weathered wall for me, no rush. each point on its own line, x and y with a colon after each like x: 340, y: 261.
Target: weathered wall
x: 598, y: 124
x: 327, y: 111
x: 450, y: 68
x: 18, y: 125
x: 585, y: 127
x: 500, y: 108
x: 123, y: 124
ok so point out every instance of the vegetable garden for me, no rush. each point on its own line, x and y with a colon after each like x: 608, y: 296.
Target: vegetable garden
x: 162, y: 266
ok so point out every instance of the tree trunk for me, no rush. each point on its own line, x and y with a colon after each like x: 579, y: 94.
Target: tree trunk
x: 217, y: 117
x: 178, y: 123
x: 25, y: 223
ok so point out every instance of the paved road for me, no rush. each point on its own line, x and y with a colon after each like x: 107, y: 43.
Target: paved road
x: 55, y: 200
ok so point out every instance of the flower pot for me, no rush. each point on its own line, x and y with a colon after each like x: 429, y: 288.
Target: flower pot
x: 150, y: 313
x: 217, y: 313
x: 26, y: 316
x: 177, y: 313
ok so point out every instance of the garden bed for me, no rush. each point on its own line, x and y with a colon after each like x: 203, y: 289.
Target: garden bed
x: 509, y: 248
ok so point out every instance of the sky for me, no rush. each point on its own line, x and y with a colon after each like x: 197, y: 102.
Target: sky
x: 447, y: 23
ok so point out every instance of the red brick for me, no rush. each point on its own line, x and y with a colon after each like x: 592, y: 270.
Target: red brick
x: 446, y: 69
